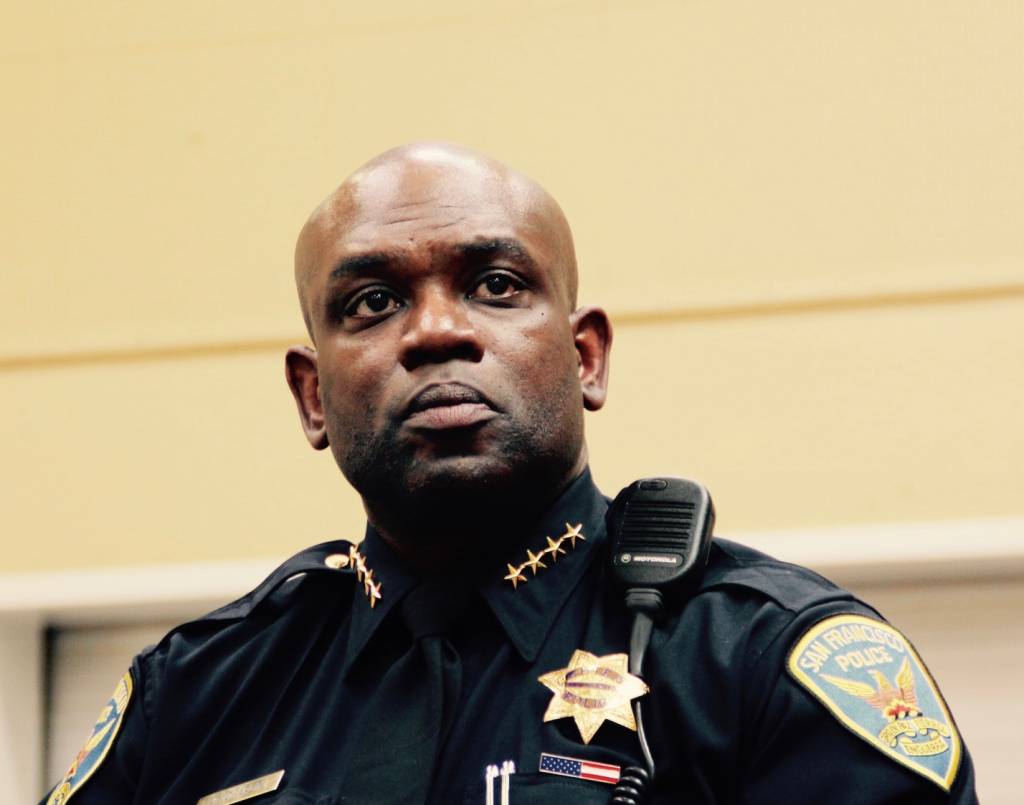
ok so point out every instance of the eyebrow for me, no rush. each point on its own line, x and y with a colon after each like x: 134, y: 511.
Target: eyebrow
x: 361, y: 264
x: 508, y: 248
x: 474, y: 251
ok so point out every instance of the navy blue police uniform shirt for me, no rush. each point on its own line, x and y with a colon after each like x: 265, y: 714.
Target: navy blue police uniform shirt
x: 771, y: 686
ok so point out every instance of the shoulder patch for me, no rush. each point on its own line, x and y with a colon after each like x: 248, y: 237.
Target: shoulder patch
x: 98, y: 745
x: 871, y: 679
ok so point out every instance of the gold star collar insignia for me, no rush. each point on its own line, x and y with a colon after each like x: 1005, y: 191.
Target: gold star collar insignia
x: 554, y: 548
x: 357, y: 562
x: 533, y: 560
x: 515, y: 575
x: 573, y: 533
x: 593, y: 690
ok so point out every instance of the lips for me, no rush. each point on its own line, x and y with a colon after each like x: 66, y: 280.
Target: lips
x: 443, y: 406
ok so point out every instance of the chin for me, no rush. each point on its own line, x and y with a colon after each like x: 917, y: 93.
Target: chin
x: 496, y: 469
x: 459, y: 474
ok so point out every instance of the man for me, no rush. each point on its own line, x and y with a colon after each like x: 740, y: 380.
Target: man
x: 471, y: 650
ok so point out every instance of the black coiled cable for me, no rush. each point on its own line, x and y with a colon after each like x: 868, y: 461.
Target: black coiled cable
x: 636, y: 785
x: 632, y: 788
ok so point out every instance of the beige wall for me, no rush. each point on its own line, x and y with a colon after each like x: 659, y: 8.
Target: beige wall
x: 805, y: 218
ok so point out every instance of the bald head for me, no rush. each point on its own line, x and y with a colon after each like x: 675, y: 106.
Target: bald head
x: 419, y: 191
x: 450, y: 367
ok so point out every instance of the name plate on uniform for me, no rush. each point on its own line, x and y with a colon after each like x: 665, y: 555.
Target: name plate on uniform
x: 244, y: 791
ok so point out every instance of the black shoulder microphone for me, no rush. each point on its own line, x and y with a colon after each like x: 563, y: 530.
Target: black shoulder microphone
x: 660, y: 530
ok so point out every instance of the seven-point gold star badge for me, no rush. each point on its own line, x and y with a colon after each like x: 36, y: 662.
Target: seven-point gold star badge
x: 592, y: 690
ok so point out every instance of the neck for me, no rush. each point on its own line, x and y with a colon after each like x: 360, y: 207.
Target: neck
x: 463, y: 533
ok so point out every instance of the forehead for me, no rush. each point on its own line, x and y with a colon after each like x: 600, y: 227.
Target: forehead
x: 429, y: 207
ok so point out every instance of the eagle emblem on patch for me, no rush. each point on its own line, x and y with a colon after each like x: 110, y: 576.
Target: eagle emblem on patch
x: 871, y: 679
x: 98, y: 744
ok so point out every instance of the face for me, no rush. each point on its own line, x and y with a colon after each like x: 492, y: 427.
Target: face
x: 448, y: 358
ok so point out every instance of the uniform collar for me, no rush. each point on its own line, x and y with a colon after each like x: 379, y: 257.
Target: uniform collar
x: 526, y: 611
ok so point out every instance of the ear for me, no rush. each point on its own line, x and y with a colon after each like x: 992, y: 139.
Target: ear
x: 592, y: 336
x: 300, y: 369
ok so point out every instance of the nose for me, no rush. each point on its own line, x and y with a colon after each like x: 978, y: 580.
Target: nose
x: 438, y: 329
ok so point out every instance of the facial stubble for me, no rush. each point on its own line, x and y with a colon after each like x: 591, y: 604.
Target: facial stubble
x: 454, y: 485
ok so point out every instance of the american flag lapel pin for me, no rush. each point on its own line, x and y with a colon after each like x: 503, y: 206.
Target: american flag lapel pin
x: 580, y: 768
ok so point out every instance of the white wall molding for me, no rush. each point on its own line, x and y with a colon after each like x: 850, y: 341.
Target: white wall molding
x: 129, y: 594
x: 922, y: 552
x: 903, y: 553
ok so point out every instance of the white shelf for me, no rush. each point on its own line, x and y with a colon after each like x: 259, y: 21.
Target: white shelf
x: 876, y: 553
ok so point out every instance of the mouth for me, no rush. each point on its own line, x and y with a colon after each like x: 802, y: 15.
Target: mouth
x: 446, y: 406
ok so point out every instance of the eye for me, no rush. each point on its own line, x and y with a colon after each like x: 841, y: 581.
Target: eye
x: 373, y: 302
x: 496, y: 286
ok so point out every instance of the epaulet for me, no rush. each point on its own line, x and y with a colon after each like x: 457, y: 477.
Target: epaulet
x: 326, y: 558
x: 792, y: 587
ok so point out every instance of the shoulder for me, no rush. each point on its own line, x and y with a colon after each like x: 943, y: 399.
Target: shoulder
x: 749, y: 610
x: 177, y: 688
x: 790, y: 587
x: 327, y: 561
x: 311, y: 585
x: 822, y: 674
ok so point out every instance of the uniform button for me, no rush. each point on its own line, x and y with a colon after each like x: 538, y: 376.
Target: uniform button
x: 336, y: 561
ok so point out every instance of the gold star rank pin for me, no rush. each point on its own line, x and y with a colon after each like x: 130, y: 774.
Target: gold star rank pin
x: 357, y: 562
x: 533, y: 560
x: 515, y: 575
x: 593, y: 690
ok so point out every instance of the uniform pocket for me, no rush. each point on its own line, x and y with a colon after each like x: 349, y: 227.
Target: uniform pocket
x: 544, y: 789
